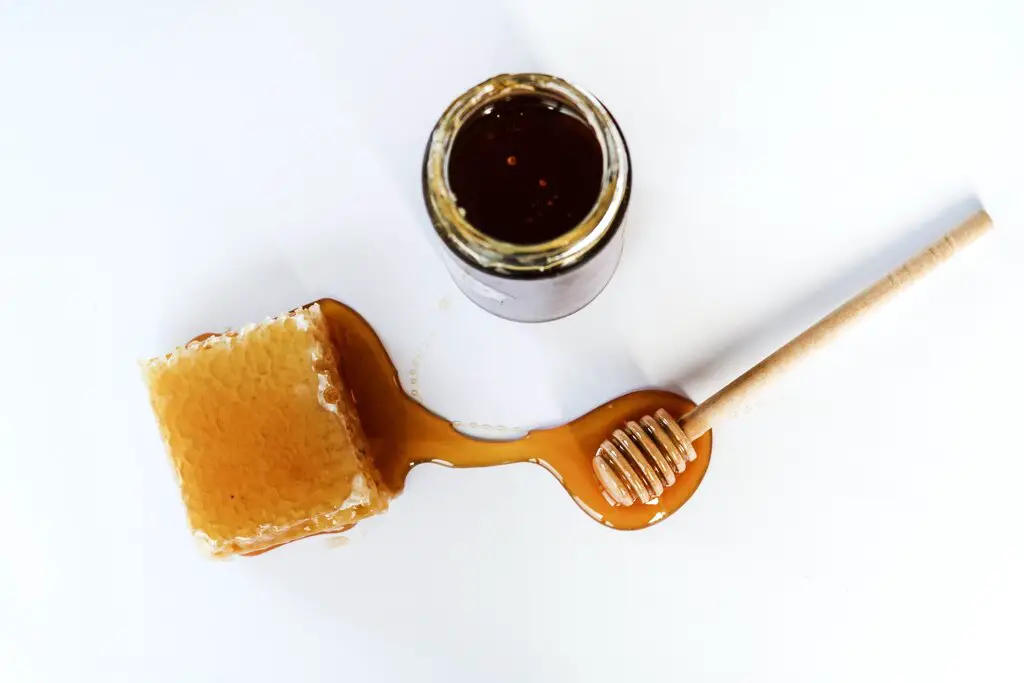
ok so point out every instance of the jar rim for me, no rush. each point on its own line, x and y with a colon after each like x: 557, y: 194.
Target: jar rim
x: 562, y: 252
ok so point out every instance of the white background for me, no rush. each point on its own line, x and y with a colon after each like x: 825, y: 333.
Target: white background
x: 170, y: 170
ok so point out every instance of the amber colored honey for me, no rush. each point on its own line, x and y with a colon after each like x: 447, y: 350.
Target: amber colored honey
x: 265, y: 444
x: 402, y: 433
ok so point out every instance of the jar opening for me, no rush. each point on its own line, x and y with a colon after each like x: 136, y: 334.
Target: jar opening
x: 497, y: 244
x: 525, y: 169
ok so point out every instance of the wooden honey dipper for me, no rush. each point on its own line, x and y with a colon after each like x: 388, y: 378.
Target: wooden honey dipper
x: 640, y: 460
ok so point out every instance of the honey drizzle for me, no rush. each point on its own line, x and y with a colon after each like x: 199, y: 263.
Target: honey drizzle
x: 402, y: 433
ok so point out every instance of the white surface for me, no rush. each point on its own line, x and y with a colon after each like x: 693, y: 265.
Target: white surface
x: 169, y: 171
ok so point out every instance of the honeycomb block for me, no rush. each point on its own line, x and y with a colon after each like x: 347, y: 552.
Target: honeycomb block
x: 263, y: 435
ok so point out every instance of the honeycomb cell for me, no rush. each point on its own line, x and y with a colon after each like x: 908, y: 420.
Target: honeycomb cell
x: 263, y: 435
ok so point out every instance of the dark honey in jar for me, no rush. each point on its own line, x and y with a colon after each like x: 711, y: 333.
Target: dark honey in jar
x: 525, y: 170
x: 526, y: 180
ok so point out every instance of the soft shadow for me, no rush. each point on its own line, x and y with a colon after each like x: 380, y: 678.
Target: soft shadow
x: 775, y: 330
x: 423, y: 56
x: 379, y: 286
x: 247, y: 295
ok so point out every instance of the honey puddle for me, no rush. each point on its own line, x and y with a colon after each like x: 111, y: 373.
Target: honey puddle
x: 402, y: 433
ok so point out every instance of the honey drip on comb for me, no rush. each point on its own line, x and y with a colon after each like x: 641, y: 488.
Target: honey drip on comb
x: 402, y: 433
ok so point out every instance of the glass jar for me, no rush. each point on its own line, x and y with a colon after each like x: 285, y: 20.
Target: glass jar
x: 530, y: 282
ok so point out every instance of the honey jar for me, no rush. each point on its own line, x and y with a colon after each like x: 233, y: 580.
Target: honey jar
x: 526, y: 179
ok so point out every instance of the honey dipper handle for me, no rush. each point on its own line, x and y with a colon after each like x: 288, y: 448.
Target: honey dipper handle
x: 728, y: 400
